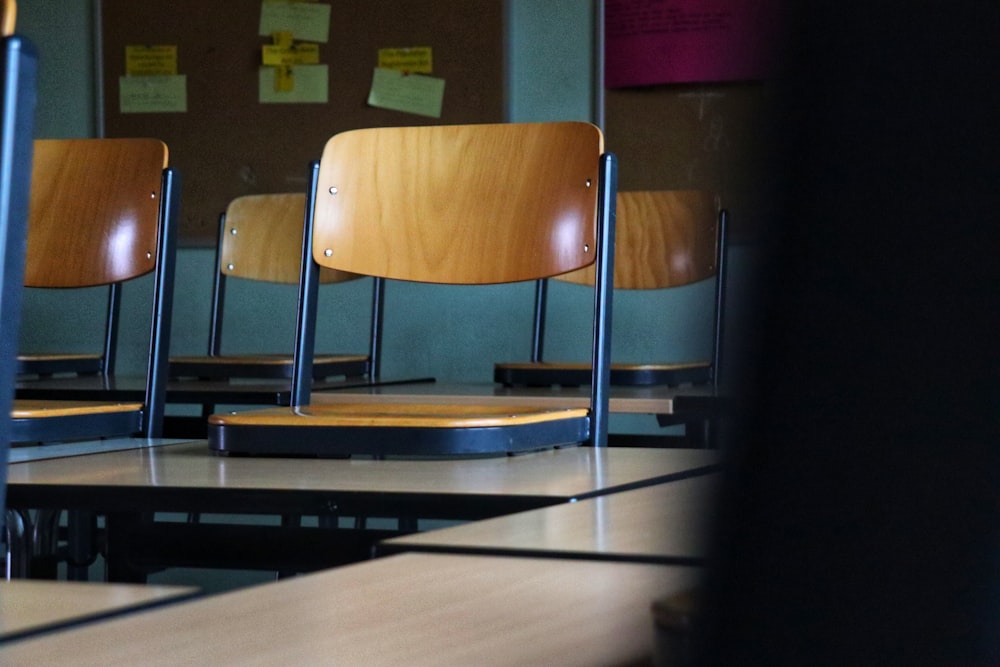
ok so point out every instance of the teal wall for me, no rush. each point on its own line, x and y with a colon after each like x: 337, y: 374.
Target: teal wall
x: 447, y: 332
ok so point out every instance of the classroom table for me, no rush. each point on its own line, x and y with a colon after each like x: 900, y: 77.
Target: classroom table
x: 663, y: 523
x: 632, y: 400
x: 408, y: 609
x: 33, y: 607
x: 188, y: 478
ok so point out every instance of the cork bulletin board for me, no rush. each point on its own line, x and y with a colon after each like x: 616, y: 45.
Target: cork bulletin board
x: 235, y: 125
x: 696, y: 136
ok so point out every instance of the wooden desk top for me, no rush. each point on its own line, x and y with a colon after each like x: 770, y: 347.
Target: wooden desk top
x: 167, y: 476
x: 409, y: 609
x: 28, y: 607
x: 637, y: 400
x: 665, y: 523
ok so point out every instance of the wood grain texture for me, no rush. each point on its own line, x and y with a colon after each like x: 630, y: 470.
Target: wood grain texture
x: 663, y: 238
x: 263, y: 240
x: 8, y: 17
x: 469, y: 204
x: 390, y: 415
x: 94, y: 210
x: 25, y: 408
x: 412, y: 609
x: 657, y: 522
x: 27, y: 605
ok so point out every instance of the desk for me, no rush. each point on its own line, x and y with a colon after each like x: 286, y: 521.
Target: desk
x: 635, y: 400
x: 665, y: 523
x: 188, y: 478
x: 409, y: 609
x: 696, y: 407
x: 32, y: 607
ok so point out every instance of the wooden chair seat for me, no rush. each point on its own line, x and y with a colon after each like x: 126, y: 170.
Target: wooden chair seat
x: 402, y: 429
x: 25, y: 408
x: 50, y: 420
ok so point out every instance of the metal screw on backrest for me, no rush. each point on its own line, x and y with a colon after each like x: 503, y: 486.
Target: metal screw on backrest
x: 230, y: 267
x: 328, y: 252
x: 233, y: 231
x: 589, y: 182
x: 333, y: 189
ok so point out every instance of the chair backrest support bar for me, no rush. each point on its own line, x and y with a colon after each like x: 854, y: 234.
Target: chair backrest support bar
x: 603, y: 297
x: 162, y: 310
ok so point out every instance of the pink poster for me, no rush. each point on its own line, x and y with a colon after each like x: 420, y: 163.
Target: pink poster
x: 650, y: 42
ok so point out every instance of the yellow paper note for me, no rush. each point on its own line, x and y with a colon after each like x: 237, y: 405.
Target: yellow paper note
x: 310, y: 85
x: 150, y: 60
x: 296, y: 54
x: 414, y: 93
x: 416, y: 59
x: 153, y: 94
x: 307, y: 21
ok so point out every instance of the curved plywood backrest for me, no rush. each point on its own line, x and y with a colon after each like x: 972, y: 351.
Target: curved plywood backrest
x: 263, y: 239
x: 463, y: 204
x: 94, y: 211
x: 9, y: 18
x: 663, y: 238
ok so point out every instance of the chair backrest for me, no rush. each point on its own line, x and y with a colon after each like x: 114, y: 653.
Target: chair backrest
x: 459, y: 204
x: 18, y: 64
x: 664, y: 238
x: 260, y: 238
x: 8, y: 17
x: 61, y: 213
x: 105, y: 211
x: 94, y: 211
x: 470, y: 204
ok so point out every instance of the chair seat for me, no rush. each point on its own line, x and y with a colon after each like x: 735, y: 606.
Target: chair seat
x: 265, y: 366
x: 25, y: 408
x: 547, y: 373
x: 398, y: 429
x: 46, y: 420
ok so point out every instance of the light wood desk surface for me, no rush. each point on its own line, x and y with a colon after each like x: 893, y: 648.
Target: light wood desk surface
x: 665, y: 523
x: 30, y: 607
x: 409, y: 609
x: 637, y: 400
x: 188, y: 477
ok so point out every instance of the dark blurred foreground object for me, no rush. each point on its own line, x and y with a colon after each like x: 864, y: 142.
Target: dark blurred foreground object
x: 862, y: 522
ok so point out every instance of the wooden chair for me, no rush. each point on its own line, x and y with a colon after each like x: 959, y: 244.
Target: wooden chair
x: 665, y: 239
x: 18, y: 64
x: 8, y: 17
x: 260, y: 239
x: 103, y: 211
x: 472, y: 204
